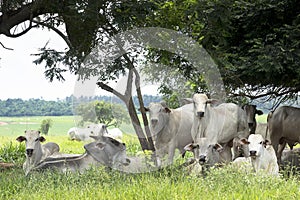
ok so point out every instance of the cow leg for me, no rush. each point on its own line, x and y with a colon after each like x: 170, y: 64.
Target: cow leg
x: 275, y: 146
x: 171, y: 153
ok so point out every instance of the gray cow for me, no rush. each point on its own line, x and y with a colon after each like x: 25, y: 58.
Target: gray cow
x: 104, y: 151
x: 284, y: 126
x: 291, y: 159
x: 35, y: 152
x: 171, y: 128
x: 251, y: 111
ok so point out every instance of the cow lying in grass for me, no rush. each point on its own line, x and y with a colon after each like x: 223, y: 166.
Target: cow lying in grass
x: 262, y: 154
x: 35, y: 151
x: 83, y: 134
x: 103, y: 151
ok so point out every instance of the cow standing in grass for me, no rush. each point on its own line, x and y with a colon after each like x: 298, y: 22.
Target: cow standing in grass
x: 170, y: 128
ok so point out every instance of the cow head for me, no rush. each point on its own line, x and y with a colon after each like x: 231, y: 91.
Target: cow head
x: 200, y: 103
x: 204, y: 152
x: 251, y: 111
x: 108, y: 151
x: 257, y: 145
x: 158, y: 114
x: 32, y: 139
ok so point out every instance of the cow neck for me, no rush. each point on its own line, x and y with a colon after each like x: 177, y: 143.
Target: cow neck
x: 37, y: 154
x: 165, y: 128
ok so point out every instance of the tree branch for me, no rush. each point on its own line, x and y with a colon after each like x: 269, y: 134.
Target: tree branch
x: 5, y: 46
x: 64, y: 37
x: 111, y: 90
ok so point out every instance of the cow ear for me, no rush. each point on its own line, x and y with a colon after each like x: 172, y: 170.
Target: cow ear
x: 266, y: 142
x: 188, y: 147
x: 20, y: 138
x: 244, y: 141
x: 218, y: 147
x: 167, y: 110
x: 259, y: 112
x: 42, y: 139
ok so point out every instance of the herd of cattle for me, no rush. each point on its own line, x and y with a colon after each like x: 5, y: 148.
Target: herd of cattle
x: 216, y: 134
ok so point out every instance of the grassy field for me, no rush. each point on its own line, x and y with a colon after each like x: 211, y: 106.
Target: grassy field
x: 100, y: 183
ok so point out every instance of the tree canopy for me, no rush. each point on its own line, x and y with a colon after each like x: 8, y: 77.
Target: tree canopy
x: 254, y: 43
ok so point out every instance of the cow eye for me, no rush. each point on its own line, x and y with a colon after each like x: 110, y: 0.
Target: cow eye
x: 37, y: 139
x: 115, y: 142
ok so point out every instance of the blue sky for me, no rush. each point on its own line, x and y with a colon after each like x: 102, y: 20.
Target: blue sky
x: 21, y: 78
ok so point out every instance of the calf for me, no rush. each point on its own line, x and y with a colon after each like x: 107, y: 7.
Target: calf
x: 207, y: 154
x: 35, y: 152
x: 263, y: 156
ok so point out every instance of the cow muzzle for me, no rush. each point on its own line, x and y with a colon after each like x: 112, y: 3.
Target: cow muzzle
x: 253, y: 153
x: 200, y: 114
x: 202, y: 159
x: 29, y: 152
x: 154, y: 122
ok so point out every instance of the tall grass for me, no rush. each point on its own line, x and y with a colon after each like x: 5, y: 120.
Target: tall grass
x: 168, y: 183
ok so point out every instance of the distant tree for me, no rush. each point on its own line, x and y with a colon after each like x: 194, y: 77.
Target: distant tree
x: 103, y: 112
x: 45, y: 126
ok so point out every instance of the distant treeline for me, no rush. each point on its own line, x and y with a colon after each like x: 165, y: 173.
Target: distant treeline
x: 60, y: 107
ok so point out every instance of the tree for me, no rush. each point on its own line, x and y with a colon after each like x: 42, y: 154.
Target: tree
x: 254, y: 43
x: 85, y: 23
x: 103, y: 112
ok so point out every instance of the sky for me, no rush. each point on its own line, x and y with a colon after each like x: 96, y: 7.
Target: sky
x: 21, y: 78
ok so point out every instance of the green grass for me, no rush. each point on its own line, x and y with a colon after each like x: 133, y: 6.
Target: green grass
x: 170, y: 183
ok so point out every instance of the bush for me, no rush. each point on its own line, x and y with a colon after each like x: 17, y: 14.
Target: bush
x: 45, y: 126
x: 12, y: 153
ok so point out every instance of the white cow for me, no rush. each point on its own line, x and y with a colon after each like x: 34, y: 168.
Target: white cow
x: 263, y: 156
x: 35, y: 152
x: 207, y: 154
x: 115, y: 133
x: 220, y: 124
x: 83, y: 134
x: 104, y: 151
x: 170, y: 128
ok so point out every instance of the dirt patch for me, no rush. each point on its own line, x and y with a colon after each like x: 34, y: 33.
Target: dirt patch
x: 3, y: 123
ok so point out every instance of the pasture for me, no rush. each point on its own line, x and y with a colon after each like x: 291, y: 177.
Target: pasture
x: 100, y: 183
